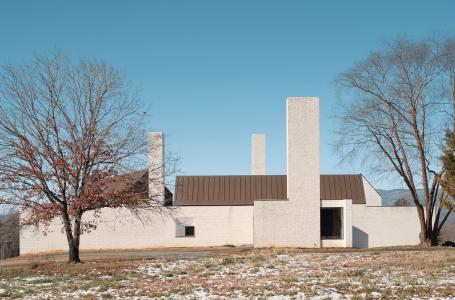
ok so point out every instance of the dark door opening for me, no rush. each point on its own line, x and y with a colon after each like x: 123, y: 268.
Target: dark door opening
x: 332, y: 223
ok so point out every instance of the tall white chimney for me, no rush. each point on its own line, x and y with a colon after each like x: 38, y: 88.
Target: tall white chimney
x: 258, y: 154
x: 156, y: 170
x: 303, y: 160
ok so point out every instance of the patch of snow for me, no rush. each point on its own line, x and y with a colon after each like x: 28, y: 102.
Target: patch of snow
x: 333, y: 296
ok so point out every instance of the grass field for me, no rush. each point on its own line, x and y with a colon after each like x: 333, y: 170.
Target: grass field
x: 238, y: 273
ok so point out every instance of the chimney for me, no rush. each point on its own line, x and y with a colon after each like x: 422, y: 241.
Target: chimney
x: 156, y: 178
x: 258, y: 154
x: 303, y: 174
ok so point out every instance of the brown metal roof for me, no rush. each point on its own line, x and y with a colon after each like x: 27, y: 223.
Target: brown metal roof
x: 243, y: 190
x: 228, y: 190
x: 339, y: 187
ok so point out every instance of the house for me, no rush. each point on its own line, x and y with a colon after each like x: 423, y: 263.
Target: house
x: 300, y: 209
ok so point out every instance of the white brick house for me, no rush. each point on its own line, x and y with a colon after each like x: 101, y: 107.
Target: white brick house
x: 300, y: 209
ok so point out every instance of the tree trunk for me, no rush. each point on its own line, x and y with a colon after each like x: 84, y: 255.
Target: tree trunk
x: 423, y: 236
x: 73, y: 254
x: 429, y: 238
x: 434, y: 238
x: 76, y: 239
x: 73, y: 244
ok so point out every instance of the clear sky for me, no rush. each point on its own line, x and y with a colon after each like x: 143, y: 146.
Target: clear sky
x: 214, y: 72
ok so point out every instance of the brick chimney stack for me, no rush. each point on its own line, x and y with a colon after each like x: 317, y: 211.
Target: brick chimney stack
x: 258, y: 154
x: 156, y: 170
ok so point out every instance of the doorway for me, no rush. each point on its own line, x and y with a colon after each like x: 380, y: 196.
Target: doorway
x: 332, y: 223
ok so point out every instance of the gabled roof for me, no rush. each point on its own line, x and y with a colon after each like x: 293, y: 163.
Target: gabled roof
x: 244, y: 190
x: 346, y: 186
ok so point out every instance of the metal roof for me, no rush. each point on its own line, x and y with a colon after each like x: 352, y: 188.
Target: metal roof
x: 244, y: 190
x: 339, y: 187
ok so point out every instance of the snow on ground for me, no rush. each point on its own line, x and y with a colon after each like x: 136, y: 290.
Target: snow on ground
x: 273, y: 274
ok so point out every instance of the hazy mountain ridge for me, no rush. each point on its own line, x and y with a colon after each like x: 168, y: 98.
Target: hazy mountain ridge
x: 390, y: 196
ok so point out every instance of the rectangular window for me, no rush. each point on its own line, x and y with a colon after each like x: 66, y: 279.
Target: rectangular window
x: 189, y: 230
x: 332, y: 223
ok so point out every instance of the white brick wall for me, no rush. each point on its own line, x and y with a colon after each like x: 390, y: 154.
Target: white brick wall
x: 372, y: 197
x: 118, y: 229
x: 384, y: 226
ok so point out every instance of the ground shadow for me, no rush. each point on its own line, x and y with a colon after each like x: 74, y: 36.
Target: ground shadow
x: 359, y: 238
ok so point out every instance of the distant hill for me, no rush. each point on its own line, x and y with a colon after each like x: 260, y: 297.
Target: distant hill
x: 390, y: 196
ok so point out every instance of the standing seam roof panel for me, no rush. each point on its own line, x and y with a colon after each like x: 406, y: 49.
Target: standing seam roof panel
x: 243, y: 190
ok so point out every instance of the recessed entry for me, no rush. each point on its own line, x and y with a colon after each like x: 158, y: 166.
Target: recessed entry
x: 332, y: 223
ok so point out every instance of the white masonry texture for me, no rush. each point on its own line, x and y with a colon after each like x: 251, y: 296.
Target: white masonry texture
x: 303, y: 165
x: 372, y: 196
x: 157, y: 172
x: 120, y: 229
x: 384, y: 226
x: 258, y: 154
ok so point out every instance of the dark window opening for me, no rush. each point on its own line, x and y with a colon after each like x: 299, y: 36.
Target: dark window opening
x: 189, y: 230
x: 332, y: 223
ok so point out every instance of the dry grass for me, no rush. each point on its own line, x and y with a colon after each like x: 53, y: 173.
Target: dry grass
x: 288, y: 273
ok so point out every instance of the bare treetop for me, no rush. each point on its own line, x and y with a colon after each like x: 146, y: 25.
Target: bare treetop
x: 402, y: 99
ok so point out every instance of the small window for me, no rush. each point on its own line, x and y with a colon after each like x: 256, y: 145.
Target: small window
x: 332, y: 223
x: 189, y: 230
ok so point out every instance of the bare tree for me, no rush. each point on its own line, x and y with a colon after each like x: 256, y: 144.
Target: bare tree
x: 400, y: 101
x: 69, y: 136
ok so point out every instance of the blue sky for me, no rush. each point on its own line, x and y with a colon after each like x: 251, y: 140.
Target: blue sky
x: 214, y: 72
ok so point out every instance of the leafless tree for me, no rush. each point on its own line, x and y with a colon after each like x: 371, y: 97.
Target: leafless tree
x: 69, y: 136
x: 395, y: 107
